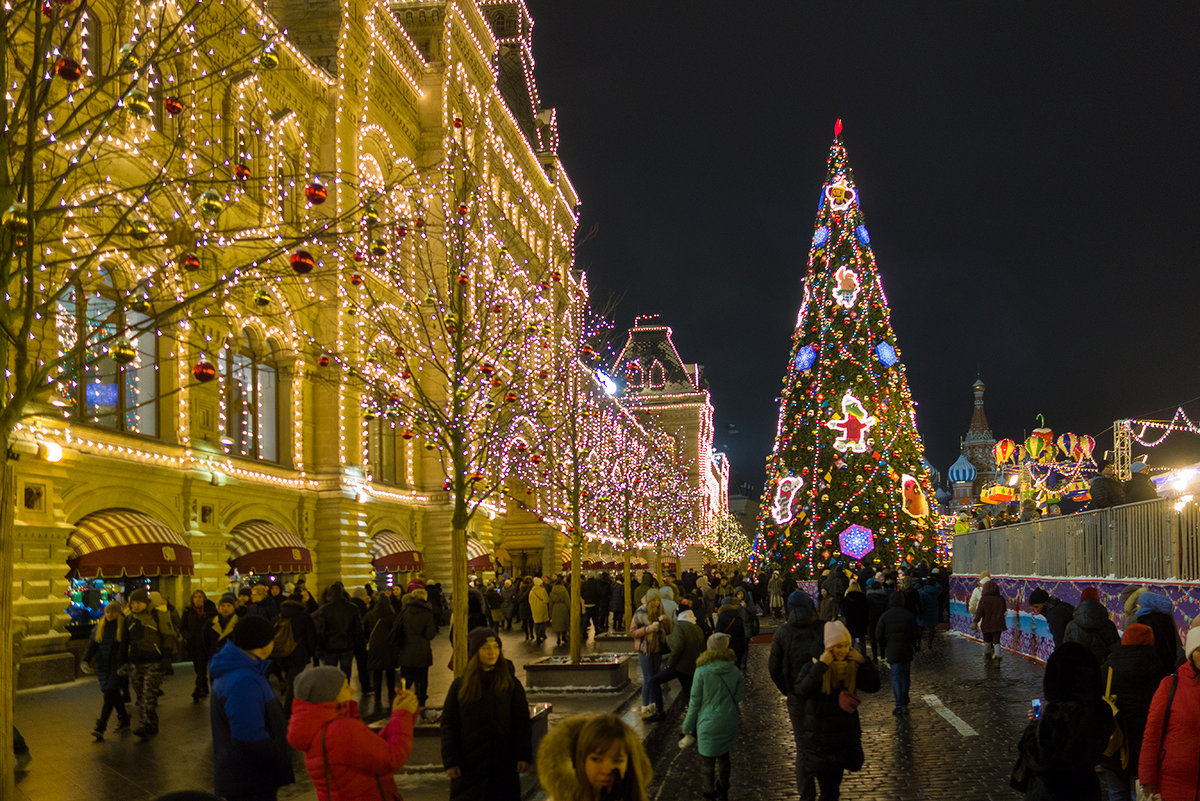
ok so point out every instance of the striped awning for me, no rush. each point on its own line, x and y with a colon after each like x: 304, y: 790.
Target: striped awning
x: 391, y: 553
x: 566, y: 558
x: 478, y: 557
x: 257, y: 546
x: 121, y: 542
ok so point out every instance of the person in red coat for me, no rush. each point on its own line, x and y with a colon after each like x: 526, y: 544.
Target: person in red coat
x: 1168, y: 763
x: 340, y: 752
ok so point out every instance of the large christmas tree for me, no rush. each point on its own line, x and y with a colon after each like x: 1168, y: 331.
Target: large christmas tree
x: 846, y: 481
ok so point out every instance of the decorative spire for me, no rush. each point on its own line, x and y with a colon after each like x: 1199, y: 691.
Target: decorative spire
x: 837, y: 129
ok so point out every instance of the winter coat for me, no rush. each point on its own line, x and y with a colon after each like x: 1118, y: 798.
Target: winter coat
x: 1168, y: 759
x: 976, y: 594
x: 686, y: 642
x: 249, y: 731
x: 645, y: 639
x: 304, y: 632
x: 560, y: 609
x: 381, y: 653
x: 266, y: 608
x: 1106, y: 492
x: 931, y: 609
x: 486, y: 738
x: 192, y: 628
x: 897, y: 632
x: 1063, y: 747
x: 1135, y: 677
x: 539, y: 603
x: 556, y: 764
x: 616, y: 600
x: 1058, y: 615
x: 217, y: 632
x: 729, y: 621
x: 590, y: 591
x: 795, y: 644
x: 339, y: 625
x: 107, y: 654
x: 1091, y: 628
x: 639, y: 591
x: 992, y: 611
x: 150, y: 636
x: 523, y: 610
x: 854, y: 609
x: 508, y: 605
x: 1166, y: 639
x: 712, y: 711
x: 827, y: 608
x: 877, y: 603
x: 361, y: 763
x: 1139, y: 488
x: 419, y: 626
x: 831, y: 738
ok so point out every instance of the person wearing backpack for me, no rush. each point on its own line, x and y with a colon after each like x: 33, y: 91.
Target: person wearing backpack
x: 1134, y: 666
x: 1168, y: 763
x: 295, y: 638
x: 150, y: 641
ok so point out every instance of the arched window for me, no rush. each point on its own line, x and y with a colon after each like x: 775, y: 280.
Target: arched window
x: 501, y: 24
x: 657, y: 375
x: 111, y: 379
x: 636, y: 377
x: 250, y: 371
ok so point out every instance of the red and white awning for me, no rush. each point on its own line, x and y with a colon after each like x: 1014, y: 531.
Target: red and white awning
x: 261, y: 547
x: 478, y: 557
x: 121, y: 542
x: 391, y: 553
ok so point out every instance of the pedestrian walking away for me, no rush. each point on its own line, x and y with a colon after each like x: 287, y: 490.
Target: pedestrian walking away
x: 991, y: 618
x: 713, y: 715
x: 897, y: 633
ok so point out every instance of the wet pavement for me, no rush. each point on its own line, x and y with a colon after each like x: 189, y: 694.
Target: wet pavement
x: 928, y: 755
x: 959, y: 740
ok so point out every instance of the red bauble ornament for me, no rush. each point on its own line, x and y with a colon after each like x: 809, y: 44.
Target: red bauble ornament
x: 322, y: 361
x: 191, y: 262
x: 487, y: 368
x: 509, y: 397
x: 556, y: 275
x: 172, y: 105
x: 463, y: 279
x: 68, y: 69
x: 543, y: 374
x: 458, y: 123
x: 241, y: 172
x: 302, y: 262
x: 408, y: 433
x: 419, y: 222
x: 406, y: 374
x: 356, y: 279
x: 401, y: 231
x: 358, y: 255
x: 315, y: 192
x: 462, y: 208
x: 204, y: 372
x: 399, y: 351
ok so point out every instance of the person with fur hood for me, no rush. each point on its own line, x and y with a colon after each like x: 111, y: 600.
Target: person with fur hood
x: 593, y: 758
x: 1091, y: 627
x: 1136, y: 673
x: 832, y: 735
x: 487, y: 737
x: 713, y: 715
x: 1168, y: 764
x: 346, y: 760
x: 991, y: 618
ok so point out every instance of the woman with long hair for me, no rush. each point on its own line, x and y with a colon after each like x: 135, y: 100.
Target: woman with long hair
x: 649, y: 629
x: 593, y: 758
x: 487, y: 737
x: 104, y: 648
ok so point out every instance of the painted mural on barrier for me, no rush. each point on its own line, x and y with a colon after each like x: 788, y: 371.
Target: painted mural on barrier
x: 1028, y: 634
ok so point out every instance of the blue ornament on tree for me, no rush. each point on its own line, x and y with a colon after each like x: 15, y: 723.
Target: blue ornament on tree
x: 820, y: 236
x: 863, y: 236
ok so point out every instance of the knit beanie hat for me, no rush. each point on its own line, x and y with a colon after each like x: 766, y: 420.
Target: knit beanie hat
x: 1138, y: 634
x: 228, y: 598
x: 252, y: 632
x: 835, y: 633
x: 140, y: 595
x: 798, y: 600
x: 1192, y: 642
x: 718, y: 641
x: 1089, y: 594
x: 319, y: 685
x: 477, y: 636
x: 1038, y: 596
x: 686, y: 616
x: 1153, y: 602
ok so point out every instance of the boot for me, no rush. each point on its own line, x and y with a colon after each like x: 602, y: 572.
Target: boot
x: 98, y: 732
x: 122, y: 724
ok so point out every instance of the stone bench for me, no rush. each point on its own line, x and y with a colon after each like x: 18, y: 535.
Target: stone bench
x: 593, y: 673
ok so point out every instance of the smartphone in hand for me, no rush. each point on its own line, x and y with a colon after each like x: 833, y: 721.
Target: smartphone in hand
x: 1037, y: 707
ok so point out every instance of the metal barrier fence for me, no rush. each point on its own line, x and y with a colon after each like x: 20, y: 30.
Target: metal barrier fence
x: 1147, y: 540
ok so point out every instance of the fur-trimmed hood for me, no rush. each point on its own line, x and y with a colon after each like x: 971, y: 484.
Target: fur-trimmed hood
x: 555, y: 760
x: 725, y: 654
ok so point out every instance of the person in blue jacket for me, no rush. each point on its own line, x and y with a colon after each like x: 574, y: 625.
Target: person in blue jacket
x: 712, y: 714
x: 251, y: 757
x: 104, y: 648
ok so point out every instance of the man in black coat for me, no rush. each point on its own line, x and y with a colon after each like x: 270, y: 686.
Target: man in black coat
x: 896, y: 633
x: 1139, y: 487
x: 339, y: 629
x: 1057, y: 613
x: 591, y: 591
x: 1105, y: 489
x: 797, y: 643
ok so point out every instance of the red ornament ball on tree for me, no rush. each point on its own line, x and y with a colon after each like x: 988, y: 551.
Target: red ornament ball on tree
x: 302, y: 262
x: 204, y: 372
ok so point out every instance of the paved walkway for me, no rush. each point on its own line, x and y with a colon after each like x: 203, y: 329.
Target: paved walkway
x: 68, y: 766
x: 958, y: 743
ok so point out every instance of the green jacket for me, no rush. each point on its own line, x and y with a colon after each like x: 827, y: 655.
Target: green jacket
x: 686, y: 642
x: 713, y: 710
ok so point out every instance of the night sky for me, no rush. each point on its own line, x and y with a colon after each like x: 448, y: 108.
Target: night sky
x: 1028, y: 172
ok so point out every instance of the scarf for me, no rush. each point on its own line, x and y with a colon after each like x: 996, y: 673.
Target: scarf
x: 223, y: 632
x: 841, y: 675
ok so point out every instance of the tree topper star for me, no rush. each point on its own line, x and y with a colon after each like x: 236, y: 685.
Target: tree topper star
x: 853, y: 425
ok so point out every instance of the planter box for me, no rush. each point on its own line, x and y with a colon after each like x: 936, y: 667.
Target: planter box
x: 593, y: 673
x: 610, y: 643
x: 426, y: 755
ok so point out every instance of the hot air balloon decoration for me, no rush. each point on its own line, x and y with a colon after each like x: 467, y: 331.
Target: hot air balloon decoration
x: 1004, y: 450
